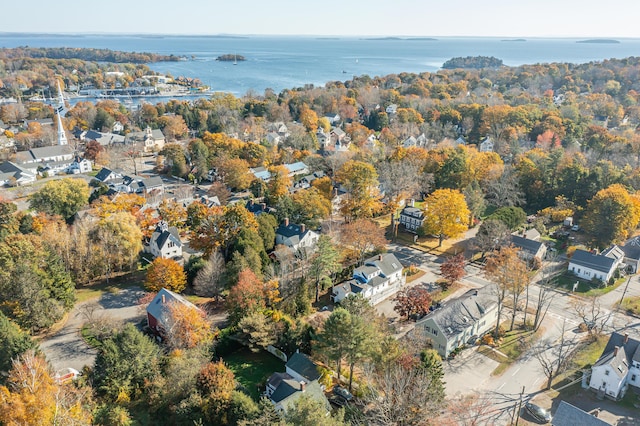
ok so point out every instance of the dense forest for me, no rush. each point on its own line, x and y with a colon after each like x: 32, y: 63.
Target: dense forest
x: 473, y: 62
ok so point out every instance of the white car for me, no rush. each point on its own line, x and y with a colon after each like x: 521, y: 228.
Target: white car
x: 575, y: 228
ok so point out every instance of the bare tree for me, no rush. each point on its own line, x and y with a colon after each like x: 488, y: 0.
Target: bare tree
x: 545, y: 295
x: 208, y: 282
x: 505, y: 191
x: 553, y: 356
x: 468, y: 410
x: 592, y: 314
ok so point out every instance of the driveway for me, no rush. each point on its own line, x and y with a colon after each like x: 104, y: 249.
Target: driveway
x: 66, y: 348
x: 469, y: 371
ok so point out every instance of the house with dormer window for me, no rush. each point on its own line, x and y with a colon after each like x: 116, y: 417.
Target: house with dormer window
x: 617, y: 368
x: 411, y: 218
x: 378, y: 278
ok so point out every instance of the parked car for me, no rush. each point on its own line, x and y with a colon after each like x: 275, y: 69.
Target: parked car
x: 575, y: 228
x: 338, y: 400
x: 538, y: 413
x: 342, y: 392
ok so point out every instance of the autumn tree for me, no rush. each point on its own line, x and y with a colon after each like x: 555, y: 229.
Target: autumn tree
x: 510, y: 275
x: 29, y: 397
x: 119, y: 241
x: 165, y: 273
x: 611, y: 215
x: 279, y: 183
x: 62, y: 197
x: 222, y: 227
x: 9, y: 223
x: 452, y: 269
x: 309, y: 119
x: 186, y: 327
x: 414, y: 301
x: 235, y: 173
x: 216, y: 383
x: 172, y: 212
x: 246, y: 296
x: 446, y: 214
x: 307, y: 410
x: 173, y: 126
x: 92, y: 150
x: 360, y: 180
x: 310, y: 207
x: 363, y: 236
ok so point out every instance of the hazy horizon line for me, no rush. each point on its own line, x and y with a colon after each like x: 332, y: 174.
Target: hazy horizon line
x: 238, y: 35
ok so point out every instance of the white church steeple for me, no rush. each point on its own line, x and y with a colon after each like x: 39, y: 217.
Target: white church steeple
x: 62, y: 137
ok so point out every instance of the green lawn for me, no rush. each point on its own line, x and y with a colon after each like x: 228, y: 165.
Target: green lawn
x: 95, y: 291
x: 566, y: 280
x: 513, y: 344
x: 589, y: 352
x: 252, y: 369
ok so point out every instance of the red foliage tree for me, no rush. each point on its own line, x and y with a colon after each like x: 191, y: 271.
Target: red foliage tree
x: 453, y: 269
x: 246, y: 296
x: 413, y: 301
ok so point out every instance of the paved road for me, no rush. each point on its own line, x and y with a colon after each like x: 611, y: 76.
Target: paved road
x: 66, y: 348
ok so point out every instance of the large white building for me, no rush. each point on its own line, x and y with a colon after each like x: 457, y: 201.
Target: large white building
x: 588, y: 266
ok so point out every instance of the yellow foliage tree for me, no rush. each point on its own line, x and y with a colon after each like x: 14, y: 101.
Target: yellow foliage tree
x: 165, y: 273
x: 29, y: 397
x: 446, y: 214
x: 186, y: 326
x: 309, y: 119
x: 612, y: 214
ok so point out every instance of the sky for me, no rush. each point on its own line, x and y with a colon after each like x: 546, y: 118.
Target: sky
x: 500, y: 18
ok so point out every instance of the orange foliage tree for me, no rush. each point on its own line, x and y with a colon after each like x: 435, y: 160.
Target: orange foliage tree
x: 165, y: 273
x: 186, y: 326
x: 246, y: 296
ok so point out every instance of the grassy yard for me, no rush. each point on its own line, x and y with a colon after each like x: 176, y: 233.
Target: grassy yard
x: 589, y: 352
x: 415, y: 276
x: 95, y: 291
x: 252, y: 369
x: 566, y: 280
x: 631, y: 305
x: 513, y: 344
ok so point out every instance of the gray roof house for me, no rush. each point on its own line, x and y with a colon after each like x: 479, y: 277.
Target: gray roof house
x: 529, y: 248
x: 631, y: 251
x: 105, y: 175
x: 158, y: 309
x: 411, y: 218
x: 301, y: 378
x: 617, y: 368
x: 296, y: 237
x: 590, y: 266
x: 378, y: 278
x: 165, y: 242
x: 461, y: 320
x: 12, y: 174
x: 569, y: 415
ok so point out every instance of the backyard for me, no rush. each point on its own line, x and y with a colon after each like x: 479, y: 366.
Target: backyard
x: 252, y: 369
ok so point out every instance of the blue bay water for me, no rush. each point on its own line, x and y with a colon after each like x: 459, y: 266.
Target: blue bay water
x: 288, y: 62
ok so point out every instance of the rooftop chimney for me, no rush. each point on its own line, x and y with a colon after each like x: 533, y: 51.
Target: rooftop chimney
x: 303, y: 228
x: 263, y: 206
x: 626, y: 338
x: 380, y: 256
x: 163, y: 300
x: 303, y: 386
x: 286, y: 221
x: 251, y: 202
x: 615, y: 350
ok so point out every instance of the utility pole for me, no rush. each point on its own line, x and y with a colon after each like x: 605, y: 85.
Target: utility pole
x: 624, y: 292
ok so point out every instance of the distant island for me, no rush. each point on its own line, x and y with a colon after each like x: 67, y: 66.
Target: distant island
x: 600, y: 41
x: 402, y: 38
x: 514, y: 39
x: 230, y: 57
x: 86, y: 54
x: 474, y: 62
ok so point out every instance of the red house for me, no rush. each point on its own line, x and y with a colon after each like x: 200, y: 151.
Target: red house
x: 158, y: 309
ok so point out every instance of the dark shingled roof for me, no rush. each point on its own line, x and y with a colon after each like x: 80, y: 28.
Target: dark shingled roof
x: 525, y: 244
x: 302, y: 364
x: 568, y: 415
x: 631, y: 350
x: 599, y: 263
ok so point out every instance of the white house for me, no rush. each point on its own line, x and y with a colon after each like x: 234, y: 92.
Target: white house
x: 411, y: 218
x: 461, y: 321
x: 379, y: 277
x: 301, y: 378
x: 296, y: 237
x: 153, y: 139
x: 486, y: 145
x: 588, y: 266
x: 12, y: 174
x: 165, y: 242
x: 617, y: 368
x: 392, y: 109
x: 83, y: 165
